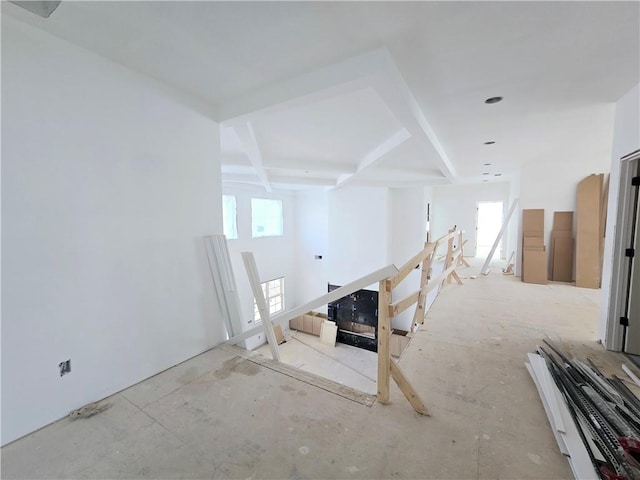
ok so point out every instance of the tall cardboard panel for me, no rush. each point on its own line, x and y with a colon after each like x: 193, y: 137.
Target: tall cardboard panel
x: 562, y: 247
x: 534, y: 255
x: 562, y: 262
x: 589, y: 200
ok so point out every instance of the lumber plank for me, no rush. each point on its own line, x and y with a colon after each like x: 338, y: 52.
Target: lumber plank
x: 408, y: 267
x: 397, y: 308
x: 454, y: 274
x: 384, y: 333
x: 407, y: 389
x: 418, y: 315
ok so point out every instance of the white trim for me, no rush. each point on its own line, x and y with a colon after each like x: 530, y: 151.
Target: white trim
x: 256, y: 287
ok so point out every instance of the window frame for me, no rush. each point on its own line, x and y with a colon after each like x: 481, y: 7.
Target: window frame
x: 235, y: 217
x: 254, y: 233
x: 269, y: 296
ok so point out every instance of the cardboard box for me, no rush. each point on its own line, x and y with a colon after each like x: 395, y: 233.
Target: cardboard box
x: 534, y: 256
x: 277, y: 330
x: 533, y: 220
x: 534, y: 265
x: 562, y: 262
x: 589, y: 203
x: 317, y: 325
x: 535, y: 241
x: 562, y: 247
x: 563, y: 221
x: 296, y: 323
x: 307, y: 323
x: 398, y: 341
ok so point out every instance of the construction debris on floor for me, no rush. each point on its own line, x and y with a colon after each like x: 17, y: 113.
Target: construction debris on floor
x: 595, y: 419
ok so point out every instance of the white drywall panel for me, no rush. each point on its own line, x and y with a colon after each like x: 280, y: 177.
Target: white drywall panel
x: 312, y: 239
x: 552, y: 183
x: 358, y: 233
x: 108, y: 188
x: 274, y: 256
x: 626, y: 139
x: 407, y: 235
x: 456, y: 205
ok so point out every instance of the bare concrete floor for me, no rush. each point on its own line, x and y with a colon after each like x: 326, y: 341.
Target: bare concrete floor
x: 344, y: 364
x: 221, y: 416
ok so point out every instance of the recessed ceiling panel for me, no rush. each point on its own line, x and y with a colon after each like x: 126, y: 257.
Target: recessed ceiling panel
x: 342, y: 129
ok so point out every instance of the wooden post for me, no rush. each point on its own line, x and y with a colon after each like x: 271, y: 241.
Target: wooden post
x: 449, y: 255
x: 384, y: 333
x: 418, y: 316
x: 407, y: 389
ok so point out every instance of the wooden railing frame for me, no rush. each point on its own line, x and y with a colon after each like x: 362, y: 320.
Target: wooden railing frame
x: 387, y: 309
x: 389, y: 278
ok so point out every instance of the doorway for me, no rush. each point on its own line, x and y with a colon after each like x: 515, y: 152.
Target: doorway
x: 488, y: 224
x: 623, y: 316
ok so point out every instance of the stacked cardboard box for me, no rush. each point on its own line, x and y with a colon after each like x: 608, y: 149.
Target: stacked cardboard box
x: 399, y: 341
x: 310, y: 322
x: 588, y: 238
x: 534, y: 255
x: 562, y: 247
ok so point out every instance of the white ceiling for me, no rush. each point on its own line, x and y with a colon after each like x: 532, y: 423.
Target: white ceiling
x: 377, y: 93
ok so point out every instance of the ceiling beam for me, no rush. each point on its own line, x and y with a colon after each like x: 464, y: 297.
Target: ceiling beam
x: 375, y: 155
x: 310, y: 165
x: 397, y: 95
x: 247, y: 138
x: 375, y: 69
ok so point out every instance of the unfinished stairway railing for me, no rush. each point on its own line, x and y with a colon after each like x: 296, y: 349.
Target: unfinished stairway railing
x: 389, y: 278
x: 387, y: 309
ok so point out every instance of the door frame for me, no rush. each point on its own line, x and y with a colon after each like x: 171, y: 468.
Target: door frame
x: 502, y: 218
x: 620, y: 262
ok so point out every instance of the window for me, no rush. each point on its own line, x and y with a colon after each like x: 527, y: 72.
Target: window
x: 274, y: 295
x: 229, y: 222
x: 266, y: 217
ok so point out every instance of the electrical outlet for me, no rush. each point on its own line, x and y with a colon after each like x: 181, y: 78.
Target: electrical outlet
x: 65, y: 367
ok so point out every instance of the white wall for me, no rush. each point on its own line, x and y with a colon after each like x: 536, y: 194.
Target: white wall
x: 108, y: 187
x: 275, y: 256
x: 626, y: 139
x: 456, y: 205
x: 358, y: 233
x: 552, y: 184
x: 312, y: 238
x: 406, y: 238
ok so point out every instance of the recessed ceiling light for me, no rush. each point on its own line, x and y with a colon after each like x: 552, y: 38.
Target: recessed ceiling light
x: 492, y: 100
x: 485, y: 173
x: 489, y: 143
x: 497, y: 174
x: 486, y: 164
